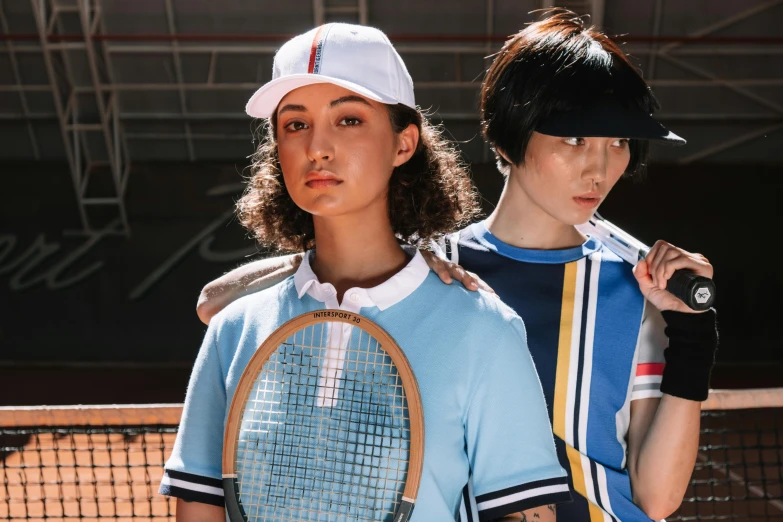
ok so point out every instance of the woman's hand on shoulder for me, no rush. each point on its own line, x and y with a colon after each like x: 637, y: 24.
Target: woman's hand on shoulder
x: 657, y: 268
x: 448, y: 272
x: 244, y: 280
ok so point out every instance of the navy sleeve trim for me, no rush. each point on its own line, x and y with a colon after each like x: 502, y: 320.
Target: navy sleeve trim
x: 498, y: 504
x: 193, y: 488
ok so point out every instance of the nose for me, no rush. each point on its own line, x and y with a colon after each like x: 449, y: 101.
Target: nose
x: 320, y: 148
x: 596, y: 165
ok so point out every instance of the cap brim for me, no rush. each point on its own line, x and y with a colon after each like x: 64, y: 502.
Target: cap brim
x: 603, y: 120
x: 266, y: 99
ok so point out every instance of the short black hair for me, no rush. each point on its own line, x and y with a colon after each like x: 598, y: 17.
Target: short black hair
x: 556, y: 64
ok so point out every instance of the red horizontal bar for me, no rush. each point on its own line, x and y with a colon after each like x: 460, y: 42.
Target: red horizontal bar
x: 208, y: 37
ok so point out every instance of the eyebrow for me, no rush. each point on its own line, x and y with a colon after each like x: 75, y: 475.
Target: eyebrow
x: 334, y: 103
x: 349, y: 98
x: 290, y: 107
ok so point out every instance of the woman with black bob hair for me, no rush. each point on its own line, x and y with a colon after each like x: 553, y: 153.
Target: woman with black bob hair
x: 624, y: 364
x: 567, y: 116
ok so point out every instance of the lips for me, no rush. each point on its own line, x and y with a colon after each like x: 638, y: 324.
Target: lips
x: 321, y: 179
x: 588, y: 200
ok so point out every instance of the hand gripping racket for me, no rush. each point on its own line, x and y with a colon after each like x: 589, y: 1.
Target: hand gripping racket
x: 696, y: 291
x: 326, y: 424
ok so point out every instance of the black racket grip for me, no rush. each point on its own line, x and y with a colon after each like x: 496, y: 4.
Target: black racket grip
x: 231, y: 495
x: 404, y: 511
x: 698, y: 292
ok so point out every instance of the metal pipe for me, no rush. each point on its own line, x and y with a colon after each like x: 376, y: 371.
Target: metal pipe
x: 121, y: 154
x: 408, y: 49
x: 181, y: 136
x: 726, y: 83
x: 657, y: 16
x: 364, y: 12
x: 733, y: 142
x: 318, y: 12
x: 703, y: 33
x: 226, y: 116
x: 18, y: 79
x: 84, y: 17
x: 432, y: 49
x: 418, y: 38
x: 39, y: 14
x: 446, y: 85
x: 597, y: 13
x: 183, y: 106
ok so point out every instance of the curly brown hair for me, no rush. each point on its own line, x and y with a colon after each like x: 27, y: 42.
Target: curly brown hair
x: 429, y: 195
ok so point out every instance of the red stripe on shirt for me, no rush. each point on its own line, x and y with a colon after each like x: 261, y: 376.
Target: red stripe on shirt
x: 314, y: 48
x: 649, y: 369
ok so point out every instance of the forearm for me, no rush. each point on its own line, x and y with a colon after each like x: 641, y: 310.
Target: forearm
x: 664, y: 440
x: 664, y: 464
x: 540, y: 514
x: 242, y: 281
x: 198, y: 512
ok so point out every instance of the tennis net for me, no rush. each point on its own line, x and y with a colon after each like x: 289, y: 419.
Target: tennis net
x: 739, y: 468
x: 106, y: 462
x: 86, y: 463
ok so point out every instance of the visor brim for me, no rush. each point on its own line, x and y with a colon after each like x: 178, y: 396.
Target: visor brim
x: 607, y: 120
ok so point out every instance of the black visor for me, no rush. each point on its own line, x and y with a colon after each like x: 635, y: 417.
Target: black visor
x: 607, y: 118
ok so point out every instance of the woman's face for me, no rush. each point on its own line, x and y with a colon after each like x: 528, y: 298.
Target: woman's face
x: 568, y: 178
x: 337, y: 149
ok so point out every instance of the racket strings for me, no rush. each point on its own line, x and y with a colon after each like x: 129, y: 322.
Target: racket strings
x: 298, y: 461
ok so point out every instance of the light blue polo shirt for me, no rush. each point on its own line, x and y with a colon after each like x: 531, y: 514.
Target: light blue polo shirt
x: 484, y: 410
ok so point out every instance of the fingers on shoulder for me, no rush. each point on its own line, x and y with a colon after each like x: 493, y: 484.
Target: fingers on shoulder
x: 438, y: 265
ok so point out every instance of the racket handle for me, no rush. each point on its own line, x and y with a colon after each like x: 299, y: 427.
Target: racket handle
x: 404, y: 511
x: 231, y: 495
x: 698, y: 292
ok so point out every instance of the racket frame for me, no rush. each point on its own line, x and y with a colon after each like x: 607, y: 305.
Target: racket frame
x: 270, y: 346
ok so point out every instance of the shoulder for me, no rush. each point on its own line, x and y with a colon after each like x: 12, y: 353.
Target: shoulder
x: 474, y: 311
x: 467, y: 238
x: 614, y: 270
x: 248, y: 309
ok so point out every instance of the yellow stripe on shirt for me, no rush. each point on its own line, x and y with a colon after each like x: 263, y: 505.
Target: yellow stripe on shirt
x: 564, y: 350
x: 578, y: 476
x: 561, y: 388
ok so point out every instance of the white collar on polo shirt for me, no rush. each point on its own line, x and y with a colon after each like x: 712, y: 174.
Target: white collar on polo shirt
x: 386, y: 294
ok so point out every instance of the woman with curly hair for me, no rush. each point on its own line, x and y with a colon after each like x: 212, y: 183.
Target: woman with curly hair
x: 350, y: 170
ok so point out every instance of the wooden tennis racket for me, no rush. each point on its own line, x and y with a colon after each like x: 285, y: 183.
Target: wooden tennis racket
x: 326, y: 424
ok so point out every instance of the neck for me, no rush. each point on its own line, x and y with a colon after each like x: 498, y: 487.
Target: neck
x: 356, y: 251
x: 520, y: 222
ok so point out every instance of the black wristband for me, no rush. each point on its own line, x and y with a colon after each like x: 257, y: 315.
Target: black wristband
x: 693, y: 340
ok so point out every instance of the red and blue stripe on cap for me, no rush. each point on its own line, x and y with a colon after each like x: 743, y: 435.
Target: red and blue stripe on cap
x: 316, y: 50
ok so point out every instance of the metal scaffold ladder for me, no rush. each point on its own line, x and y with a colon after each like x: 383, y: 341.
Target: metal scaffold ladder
x: 88, y: 114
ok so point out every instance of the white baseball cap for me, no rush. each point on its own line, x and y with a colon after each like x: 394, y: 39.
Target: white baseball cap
x: 358, y: 58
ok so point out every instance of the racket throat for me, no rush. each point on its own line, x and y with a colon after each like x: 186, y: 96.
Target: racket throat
x: 339, y: 336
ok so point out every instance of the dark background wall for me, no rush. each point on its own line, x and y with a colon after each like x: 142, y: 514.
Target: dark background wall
x: 112, y: 319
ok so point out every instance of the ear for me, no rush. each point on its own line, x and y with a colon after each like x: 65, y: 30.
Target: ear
x: 407, y: 141
x: 503, y: 155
